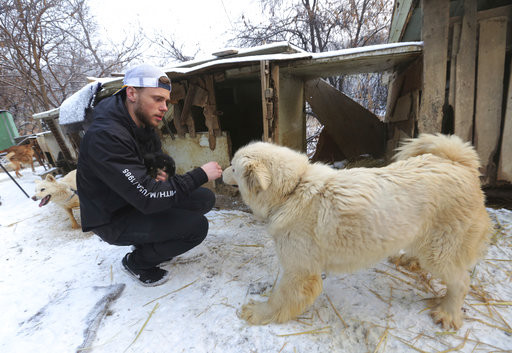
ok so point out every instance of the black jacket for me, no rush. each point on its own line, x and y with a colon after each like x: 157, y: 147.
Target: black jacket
x: 111, y: 175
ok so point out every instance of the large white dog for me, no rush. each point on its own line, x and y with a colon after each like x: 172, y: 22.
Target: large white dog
x: 428, y: 203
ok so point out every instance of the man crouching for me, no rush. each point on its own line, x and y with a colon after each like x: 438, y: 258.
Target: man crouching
x: 161, y: 217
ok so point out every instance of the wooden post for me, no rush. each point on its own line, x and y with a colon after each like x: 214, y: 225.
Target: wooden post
x: 210, y: 113
x: 275, y: 114
x: 489, y: 98
x: 266, y: 103
x: 436, y: 15
x: 505, y: 164
x: 186, y: 113
x: 453, y: 60
x: 465, y: 69
x: 178, y: 123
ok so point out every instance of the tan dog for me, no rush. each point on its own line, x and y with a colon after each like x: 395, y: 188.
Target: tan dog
x: 19, y: 156
x: 62, y: 192
x: 429, y: 203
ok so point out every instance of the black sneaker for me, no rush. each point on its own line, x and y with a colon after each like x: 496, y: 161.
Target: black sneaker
x: 150, y: 277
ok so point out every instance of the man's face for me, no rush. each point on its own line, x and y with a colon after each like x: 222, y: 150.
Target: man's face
x: 150, y: 105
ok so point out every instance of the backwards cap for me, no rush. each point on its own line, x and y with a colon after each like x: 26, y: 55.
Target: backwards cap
x: 145, y: 75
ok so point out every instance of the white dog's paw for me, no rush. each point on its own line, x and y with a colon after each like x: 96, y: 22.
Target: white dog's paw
x: 446, y: 319
x: 256, y: 313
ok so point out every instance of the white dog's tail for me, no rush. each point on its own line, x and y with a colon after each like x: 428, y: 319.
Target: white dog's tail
x: 445, y: 146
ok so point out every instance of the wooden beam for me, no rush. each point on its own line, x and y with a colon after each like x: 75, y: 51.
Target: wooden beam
x: 465, y: 69
x: 186, y: 113
x: 264, y: 71
x: 453, y: 50
x: 274, y: 75
x: 355, y: 130
x: 210, y: 113
x: 401, y: 15
x: 489, y: 96
x: 403, y: 83
x: 436, y: 15
x: 505, y: 163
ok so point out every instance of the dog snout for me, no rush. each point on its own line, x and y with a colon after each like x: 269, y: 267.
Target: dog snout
x: 34, y: 198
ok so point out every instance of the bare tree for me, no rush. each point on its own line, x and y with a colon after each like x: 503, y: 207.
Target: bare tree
x: 167, y: 49
x: 318, y: 26
x: 322, y: 25
x: 47, y: 50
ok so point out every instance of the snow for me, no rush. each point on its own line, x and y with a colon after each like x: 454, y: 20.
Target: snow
x: 72, y: 110
x: 56, y: 281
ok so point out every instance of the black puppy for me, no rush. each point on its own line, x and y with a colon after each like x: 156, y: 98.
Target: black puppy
x: 159, y: 161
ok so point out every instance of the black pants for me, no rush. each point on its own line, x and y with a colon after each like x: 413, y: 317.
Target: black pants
x: 159, y: 237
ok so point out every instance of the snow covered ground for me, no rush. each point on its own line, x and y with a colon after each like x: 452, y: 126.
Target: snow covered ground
x: 61, y: 289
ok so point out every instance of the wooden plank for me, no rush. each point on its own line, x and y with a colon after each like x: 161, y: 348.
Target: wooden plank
x: 401, y: 14
x: 435, y: 51
x: 264, y: 85
x: 186, y: 113
x: 454, y: 49
x: 402, y: 109
x: 373, y: 58
x: 465, y: 69
x: 178, y: 123
x: 491, y: 66
x: 292, y: 116
x: 177, y: 92
x: 210, y: 113
x: 275, y: 73
x: 406, y: 81
x: 505, y: 163
x: 490, y: 13
x: 394, y: 91
x: 354, y: 129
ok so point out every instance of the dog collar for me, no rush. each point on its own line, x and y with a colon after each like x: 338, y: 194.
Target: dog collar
x: 74, y: 193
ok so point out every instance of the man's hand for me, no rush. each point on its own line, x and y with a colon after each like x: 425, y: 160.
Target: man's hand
x: 212, y: 170
x: 161, y: 176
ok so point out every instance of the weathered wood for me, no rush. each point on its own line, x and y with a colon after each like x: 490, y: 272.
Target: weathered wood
x: 491, y: 66
x: 487, y: 14
x: 327, y: 150
x: 210, y: 113
x: 355, y: 60
x: 403, y: 82
x: 454, y: 48
x: 435, y: 50
x: 200, y: 98
x: 264, y: 72
x: 394, y: 91
x: 292, y: 117
x: 274, y: 76
x: 401, y: 14
x: 465, y: 69
x: 177, y: 92
x: 505, y: 163
x: 355, y: 130
x: 186, y: 113
x: 405, y: 128
x: 178, y: 123
x: 402, y: 109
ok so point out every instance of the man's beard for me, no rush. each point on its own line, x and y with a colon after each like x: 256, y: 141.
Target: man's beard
x: 143, y: 117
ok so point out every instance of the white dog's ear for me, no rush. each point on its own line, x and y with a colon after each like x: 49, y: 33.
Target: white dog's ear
x: 257, y: 175
x: 50, y: 177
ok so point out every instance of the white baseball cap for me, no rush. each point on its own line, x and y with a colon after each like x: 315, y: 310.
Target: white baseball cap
x: 145, y: 75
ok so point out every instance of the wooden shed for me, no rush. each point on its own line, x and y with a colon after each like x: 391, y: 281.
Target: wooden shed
x: 462, y: 82
x: 241, y: 95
